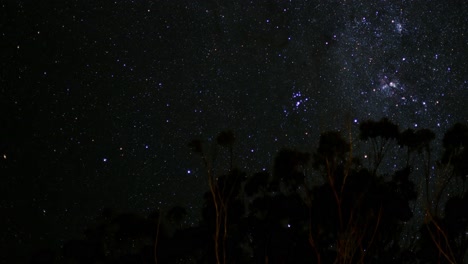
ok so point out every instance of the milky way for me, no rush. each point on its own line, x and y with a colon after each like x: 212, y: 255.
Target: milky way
x: 100, y: 99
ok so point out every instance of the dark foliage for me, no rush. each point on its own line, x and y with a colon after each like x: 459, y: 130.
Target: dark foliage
x: 383, y: 128
x: 455, y: 143
x: 416, y: 140
x: 332, y: 148
x: 355, y: 215
x: 226, y: 138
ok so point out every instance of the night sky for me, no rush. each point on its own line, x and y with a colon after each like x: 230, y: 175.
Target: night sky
x: 98, y: 99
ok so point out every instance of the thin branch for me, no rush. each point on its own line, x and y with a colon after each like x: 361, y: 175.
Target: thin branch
x: 437, y: 244
x: 156, y: 240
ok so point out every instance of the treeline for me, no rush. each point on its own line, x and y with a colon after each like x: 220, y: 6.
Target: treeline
x: 327, y: 206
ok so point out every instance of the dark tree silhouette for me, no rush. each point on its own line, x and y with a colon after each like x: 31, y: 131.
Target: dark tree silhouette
x: 455, y: 143
x: 445, y: 236
x: 415, y: 141
x: 354, y: 214
x: 419, y: 141
x: 227, y: 139
x: 380, y: 134
x: 224, y: 190
x: 176, y: 214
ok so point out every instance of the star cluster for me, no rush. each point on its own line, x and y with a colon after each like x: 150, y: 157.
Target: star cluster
x: 99, y: 99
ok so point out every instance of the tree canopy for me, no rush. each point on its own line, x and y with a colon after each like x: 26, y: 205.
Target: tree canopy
x: 351, y: 213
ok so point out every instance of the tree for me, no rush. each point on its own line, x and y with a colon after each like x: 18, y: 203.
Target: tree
x: 356, y: 214
x: 419, y: 141
x: 444, y: 235
x: 455, y: 143
x: 380, y: 134
x: 176, y: 214
x: 224, y: 189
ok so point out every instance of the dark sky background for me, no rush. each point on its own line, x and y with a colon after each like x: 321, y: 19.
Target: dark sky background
x: 98, y: 99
